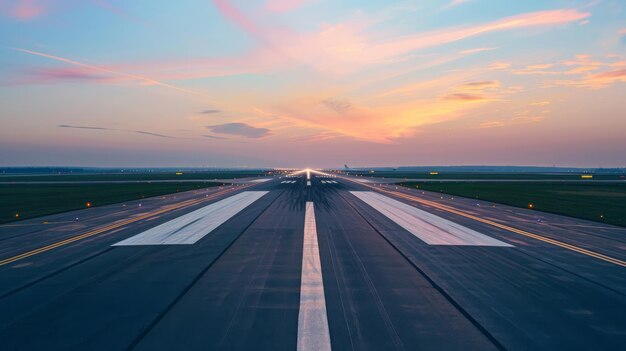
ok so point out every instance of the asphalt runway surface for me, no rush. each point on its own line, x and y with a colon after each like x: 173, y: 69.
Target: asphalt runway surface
x: 337, y: 265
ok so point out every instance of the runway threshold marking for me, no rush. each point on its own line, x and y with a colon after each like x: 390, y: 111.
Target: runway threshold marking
x: 430, y: 228
x: 313, y: 330
x: 558, y: 243
x: 113, y: 226
x: 191, y: 227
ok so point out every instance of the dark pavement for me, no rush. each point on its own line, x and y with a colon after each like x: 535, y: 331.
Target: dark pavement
x: 63, y: 286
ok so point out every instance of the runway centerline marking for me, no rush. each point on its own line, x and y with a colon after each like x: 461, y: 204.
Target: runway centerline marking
x: 313, y: 331
x: 430, y: 228
x: 191, y: 227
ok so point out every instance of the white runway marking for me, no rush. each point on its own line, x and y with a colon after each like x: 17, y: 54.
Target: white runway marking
x: 431, y: 229
x: 313, y: 331
x: 361, y: 180
x: 193, y: 226
x: 259, y: 180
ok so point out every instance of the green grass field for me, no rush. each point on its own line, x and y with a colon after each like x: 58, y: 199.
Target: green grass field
x: 593, y: 201
x: 34, y: 200
x: 133, y: 176
x: 490, y: 175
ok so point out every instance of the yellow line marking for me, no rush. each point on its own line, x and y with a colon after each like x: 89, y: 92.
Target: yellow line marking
x: 32, y: 224
x: 501, y: 226
x: 115, y: 226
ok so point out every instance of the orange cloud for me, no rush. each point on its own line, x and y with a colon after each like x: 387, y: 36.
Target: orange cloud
x: 513, y: 121
x: 585, y: 65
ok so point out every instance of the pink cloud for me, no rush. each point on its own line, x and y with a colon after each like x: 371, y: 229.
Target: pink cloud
x: 31, y: 9
x: 62, y: 74
x: 588, y: 72
x: 345, y: 47
x: 238, y: 18
x: 436, y: 38
x: 335, y: 49
x: 85, y: 69
x: 454, y: 3
x: 612, y: 75
x: 475, y: 51
x: 282, y: 6
x: 22, y: 9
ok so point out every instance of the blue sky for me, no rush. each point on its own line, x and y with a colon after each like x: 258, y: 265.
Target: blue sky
x: 312, y: 83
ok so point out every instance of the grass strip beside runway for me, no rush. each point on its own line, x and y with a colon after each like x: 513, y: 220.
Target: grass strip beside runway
x: 34, y: 200
x: 573, y: 176
x: 597, y: 202
x: 139, y: 176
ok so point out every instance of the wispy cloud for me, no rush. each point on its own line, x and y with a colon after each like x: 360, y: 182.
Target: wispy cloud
x: 464, y: 97
x: 347, y: 47
x: 475, y: 51
x: 83, y: 127
x: 524, y: 119
x: 440, y: 37
x: 337, y: 105
x: 31, y: 9
x: 116, y: 10
x: 338, y: 49
x: 481, y: 85
x: 540, y: 103
x: 92, y: 68
x: 584, y: 71
x: 153, y: 134
x: 209, y: 112
x: 454, y: 3
x: 214, y: 137
x: 121, y: 130
x: 239, y: 129
x: 282, y: 6
x: 56, y: 75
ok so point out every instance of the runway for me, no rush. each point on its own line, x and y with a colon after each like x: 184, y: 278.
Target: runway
x: 326, y: 263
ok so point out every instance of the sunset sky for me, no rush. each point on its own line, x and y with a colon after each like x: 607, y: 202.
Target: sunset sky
x: 312, y: 83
